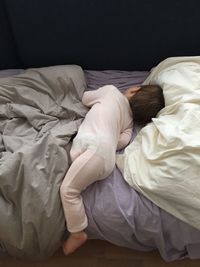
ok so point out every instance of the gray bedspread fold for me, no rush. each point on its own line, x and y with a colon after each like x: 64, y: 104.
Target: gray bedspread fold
x: 40, y: 110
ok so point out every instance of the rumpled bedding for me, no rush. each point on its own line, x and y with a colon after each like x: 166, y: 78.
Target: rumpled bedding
x: 40, y: 111
x: 34, y: 226
x: 163, y: 162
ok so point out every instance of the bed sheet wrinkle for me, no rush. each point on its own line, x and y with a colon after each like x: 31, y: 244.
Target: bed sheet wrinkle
x: 119, y: 231
x: 121, y: 79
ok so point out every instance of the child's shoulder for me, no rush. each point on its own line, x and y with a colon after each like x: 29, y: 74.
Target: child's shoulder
x: 108, y: 88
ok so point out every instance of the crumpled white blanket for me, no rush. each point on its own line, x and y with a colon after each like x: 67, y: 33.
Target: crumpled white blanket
x: 163, y: 161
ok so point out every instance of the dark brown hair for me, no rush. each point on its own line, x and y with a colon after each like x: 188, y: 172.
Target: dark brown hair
x: 146, y: 103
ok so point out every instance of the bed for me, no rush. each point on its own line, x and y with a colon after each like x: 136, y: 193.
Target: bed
x: 110, y: 44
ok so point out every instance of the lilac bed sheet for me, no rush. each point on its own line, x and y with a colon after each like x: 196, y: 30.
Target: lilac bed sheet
x: 120, y: 215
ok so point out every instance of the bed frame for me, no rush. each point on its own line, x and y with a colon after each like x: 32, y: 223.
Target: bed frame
x: 104, y: 34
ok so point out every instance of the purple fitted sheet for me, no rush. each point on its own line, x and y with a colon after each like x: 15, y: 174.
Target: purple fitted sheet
x: 120, y: 215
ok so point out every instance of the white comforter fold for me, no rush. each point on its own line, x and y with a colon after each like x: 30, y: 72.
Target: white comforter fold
x: 163, y: 161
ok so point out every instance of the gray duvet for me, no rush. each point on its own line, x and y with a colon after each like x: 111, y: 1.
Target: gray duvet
x: 40, y: 112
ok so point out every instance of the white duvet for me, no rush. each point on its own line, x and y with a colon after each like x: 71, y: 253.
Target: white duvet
x: 163, y: 162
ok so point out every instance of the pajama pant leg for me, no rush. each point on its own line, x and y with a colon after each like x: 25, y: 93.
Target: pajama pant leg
x: 84, y: 170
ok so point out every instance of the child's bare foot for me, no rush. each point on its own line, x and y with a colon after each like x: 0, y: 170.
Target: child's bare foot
x: 74, y: 241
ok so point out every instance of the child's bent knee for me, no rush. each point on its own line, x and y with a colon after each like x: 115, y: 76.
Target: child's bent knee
x: 73, y: 154
x: 109, y: 166
x: 67, y: 193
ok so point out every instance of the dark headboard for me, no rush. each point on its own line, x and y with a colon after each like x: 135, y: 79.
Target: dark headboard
x: 97, y: 34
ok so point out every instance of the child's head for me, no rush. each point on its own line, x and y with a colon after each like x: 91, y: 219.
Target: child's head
x: 145, y: 101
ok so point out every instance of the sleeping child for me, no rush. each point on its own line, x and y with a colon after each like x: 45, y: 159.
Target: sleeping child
x: 106, y: 128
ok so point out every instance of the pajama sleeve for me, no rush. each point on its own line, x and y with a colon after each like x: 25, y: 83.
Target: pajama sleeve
x: 124, y: 138
x: 91, y: 97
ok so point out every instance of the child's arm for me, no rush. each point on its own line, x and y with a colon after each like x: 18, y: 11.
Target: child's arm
x: 124, y: 138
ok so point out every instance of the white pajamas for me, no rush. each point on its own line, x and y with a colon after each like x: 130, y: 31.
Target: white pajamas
x: 106, y: 128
